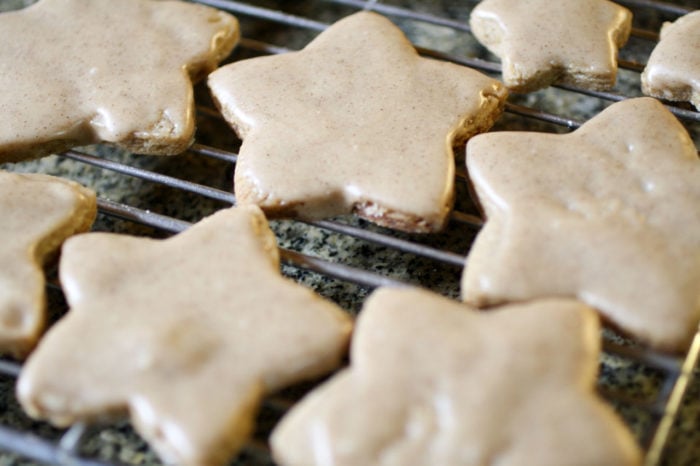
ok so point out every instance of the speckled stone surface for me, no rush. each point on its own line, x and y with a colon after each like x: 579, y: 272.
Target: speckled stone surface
x: 620, y: 378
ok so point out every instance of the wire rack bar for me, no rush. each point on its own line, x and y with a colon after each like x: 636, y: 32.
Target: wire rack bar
x: 72, y: 438
x: 314, y: 264
x: 469, y: 220
x: 263, y: 47
x: 398, y: 12
x: 644, y: 34
x: 10, y: 368
x: 36, y: 448
x: 446, y: 257
x: 211, y: 193
x: 385, y: 240
x: 530, y: 112
x: 656, y: 5
x: 213, y: 152
x: 339, y: 271
x: 265, y: 13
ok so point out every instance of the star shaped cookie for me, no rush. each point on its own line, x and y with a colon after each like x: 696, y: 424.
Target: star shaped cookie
x: 432, y: 382
x: 608, y: 213
x: 542, y: 42
x: 77, y: 72
x: 355, y: 122
x: 185, y: 334
x: 38, y: 213
x: 673, y: 69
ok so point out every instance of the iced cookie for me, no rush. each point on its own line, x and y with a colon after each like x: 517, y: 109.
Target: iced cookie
x: 38, y: 213
x: 608, y: 213
x: 77, y: 72
x: 544, y: 42
x: 185, y: 335
x: 432, y: 382
x: 673, y: 69
x: 355, y: 122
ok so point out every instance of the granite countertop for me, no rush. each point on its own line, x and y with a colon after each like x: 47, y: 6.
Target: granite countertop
x: 117, y: 442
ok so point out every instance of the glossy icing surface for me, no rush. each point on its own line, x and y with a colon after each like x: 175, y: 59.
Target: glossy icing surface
x: 357, y: 121
x: 432, y: 382
x: 673, y: 69
x: 187, y: 334
x: 608, y: 213
x: 38, y: 212
x: 541, y: 42
x: 78, y: 72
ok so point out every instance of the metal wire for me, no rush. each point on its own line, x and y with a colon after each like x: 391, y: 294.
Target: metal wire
x: 677, y: 371
x: 224, y: 196
x: 656, y: 5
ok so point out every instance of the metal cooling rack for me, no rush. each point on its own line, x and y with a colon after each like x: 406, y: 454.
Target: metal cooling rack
x: 268, y: 27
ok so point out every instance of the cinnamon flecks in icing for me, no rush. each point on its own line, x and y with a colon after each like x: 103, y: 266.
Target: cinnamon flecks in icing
x: 544, y: 42
x: 673, y: 69
x: 38, y: 213
x: 608, y: 213
x: 185, y: 334
x: 432, y: 382
x: 355, y: 122
x: 77, y: 72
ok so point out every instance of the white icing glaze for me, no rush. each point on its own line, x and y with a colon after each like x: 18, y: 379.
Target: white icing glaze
x: 187, y: 334
x: 673, y: 69
x: 608, y: 213
x: 77, y: 72
x: 542, y: 42
x: 432, y: 382
x: 356, y: 121
x: 38, y: 212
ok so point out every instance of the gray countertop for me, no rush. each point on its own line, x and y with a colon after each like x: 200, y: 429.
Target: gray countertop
x: 117, y: 442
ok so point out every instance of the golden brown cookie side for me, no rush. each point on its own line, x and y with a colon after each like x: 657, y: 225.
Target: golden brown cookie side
x: 493, y: 101
x: 166, y: 137
x: 81, y: 219
x: 222, y: 44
